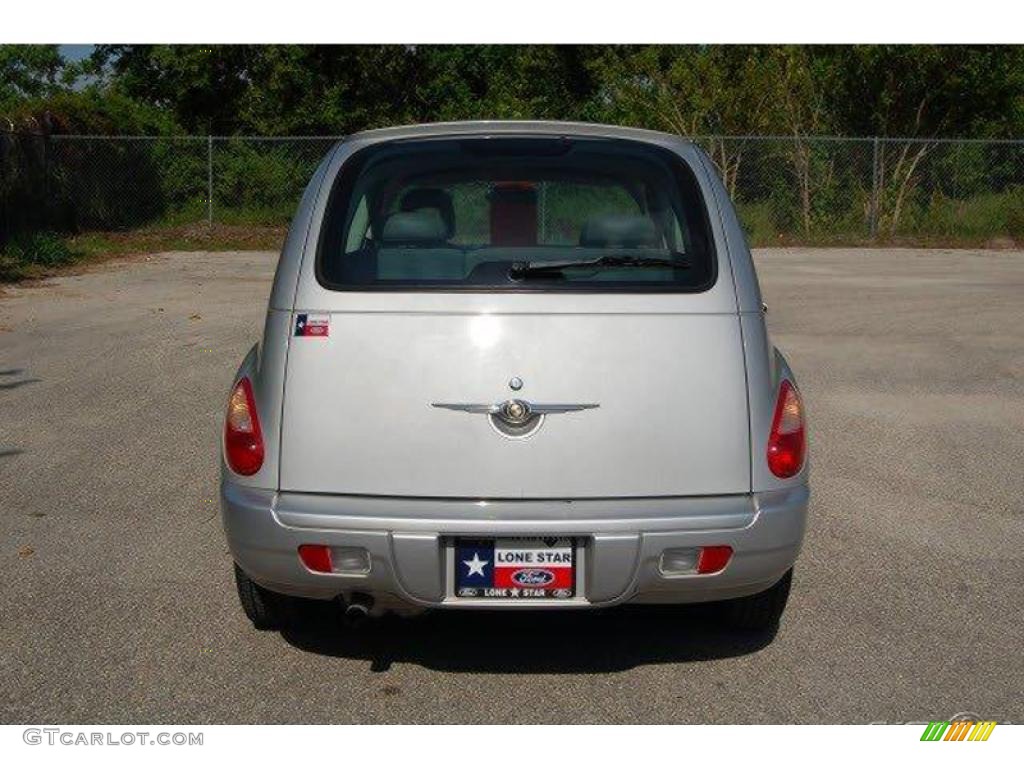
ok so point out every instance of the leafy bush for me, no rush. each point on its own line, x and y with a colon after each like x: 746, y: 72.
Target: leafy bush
x: 974, y: 219
x: 44, y: 249
x: 27, y: 254
x: 759, y: 224
x: 261, y: 181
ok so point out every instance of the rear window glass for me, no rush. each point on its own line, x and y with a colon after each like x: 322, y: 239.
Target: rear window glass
x: 496, y: 213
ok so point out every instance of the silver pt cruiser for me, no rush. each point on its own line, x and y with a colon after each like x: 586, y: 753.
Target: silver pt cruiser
x: 514, y: 365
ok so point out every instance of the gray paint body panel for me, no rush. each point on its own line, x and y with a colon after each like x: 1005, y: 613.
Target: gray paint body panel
x: 672, y: 418
x: 282, y: 294
x: 674, y: 455
x: 622, y: 541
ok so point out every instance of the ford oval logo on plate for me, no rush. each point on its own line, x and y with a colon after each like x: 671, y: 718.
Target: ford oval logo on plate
x: 532, y: 577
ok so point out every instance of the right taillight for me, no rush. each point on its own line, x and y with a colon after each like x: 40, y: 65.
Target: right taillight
x: 243, y: 440
x: 787, y: 441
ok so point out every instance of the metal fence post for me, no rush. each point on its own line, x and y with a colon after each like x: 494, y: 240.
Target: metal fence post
x: 875, y: 189
x: 209, y: 181
x: 956, y: 190
x: 47, y: 203
x: 5, y: 148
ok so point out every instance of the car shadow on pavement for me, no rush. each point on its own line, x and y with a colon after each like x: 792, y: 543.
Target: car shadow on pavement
x: 6, y: 383
x: 575, y: 642
x: 16, y: 384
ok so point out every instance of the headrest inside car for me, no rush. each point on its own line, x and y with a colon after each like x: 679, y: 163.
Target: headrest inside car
x: 424, y: 227
x: 618, y: 231
x: 438, y: 199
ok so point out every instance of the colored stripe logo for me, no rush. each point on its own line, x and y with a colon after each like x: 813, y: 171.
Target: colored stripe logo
x: 958, y: 730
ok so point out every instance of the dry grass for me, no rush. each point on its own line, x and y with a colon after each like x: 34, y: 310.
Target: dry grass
x: 93, y: 248
x: 192, y: 237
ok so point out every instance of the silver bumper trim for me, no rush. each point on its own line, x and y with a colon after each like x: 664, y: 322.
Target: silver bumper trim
x: 622, y: 540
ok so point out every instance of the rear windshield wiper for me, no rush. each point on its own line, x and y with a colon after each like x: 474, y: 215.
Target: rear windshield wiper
x: 523, y: 269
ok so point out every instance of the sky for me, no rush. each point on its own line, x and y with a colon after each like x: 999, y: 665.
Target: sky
x: 76, y: 52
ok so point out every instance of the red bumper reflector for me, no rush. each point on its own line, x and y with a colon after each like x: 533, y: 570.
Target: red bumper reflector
x: 316, y: 557
x: 713, y: 559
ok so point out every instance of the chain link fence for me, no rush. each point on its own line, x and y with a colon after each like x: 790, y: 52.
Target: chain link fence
x: 787, y: 189
x: 841, y: 190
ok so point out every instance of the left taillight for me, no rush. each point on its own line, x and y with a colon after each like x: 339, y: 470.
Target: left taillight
x: 787, y: 441
x: 243, y: 439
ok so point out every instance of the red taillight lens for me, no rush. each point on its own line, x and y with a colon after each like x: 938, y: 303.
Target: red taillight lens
x: 713, y: 559
x: 243, y: 440
x: 316, y: 557
x: 787, y: 442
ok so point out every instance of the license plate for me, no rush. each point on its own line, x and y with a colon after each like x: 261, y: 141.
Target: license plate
x: 515, y: 569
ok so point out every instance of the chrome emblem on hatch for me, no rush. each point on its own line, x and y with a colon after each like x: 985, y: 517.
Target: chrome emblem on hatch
x: 516, y: 418
x: 515, y: 412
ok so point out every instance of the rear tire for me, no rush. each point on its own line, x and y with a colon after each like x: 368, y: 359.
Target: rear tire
x: 759, y: 612
x: 265, y: 609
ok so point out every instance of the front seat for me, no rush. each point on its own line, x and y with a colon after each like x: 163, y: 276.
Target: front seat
x: 617, y: 230
x: 413, y: 247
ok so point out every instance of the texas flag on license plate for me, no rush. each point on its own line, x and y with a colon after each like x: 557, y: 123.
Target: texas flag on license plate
x: 312, y: 325
x: 515, y: 568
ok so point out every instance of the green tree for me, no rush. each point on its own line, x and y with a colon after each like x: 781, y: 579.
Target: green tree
x: 201, y: 86
x: 923, y: 92
x: 698, y: 91
x: 927, y: 90
x: 518, y: 82
x: 278, y: 89
x: 28, y: 71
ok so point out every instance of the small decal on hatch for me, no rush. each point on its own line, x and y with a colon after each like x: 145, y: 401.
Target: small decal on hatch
x: 312, y: 325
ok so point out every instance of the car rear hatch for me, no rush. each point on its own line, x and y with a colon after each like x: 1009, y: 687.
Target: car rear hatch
x: 670, y: 390
x: 429, y: 288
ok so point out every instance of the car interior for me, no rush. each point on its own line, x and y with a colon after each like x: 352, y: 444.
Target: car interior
x: 475, y: 213
x: 418, y: 241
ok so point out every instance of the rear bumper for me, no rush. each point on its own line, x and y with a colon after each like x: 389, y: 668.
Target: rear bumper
x: 620, y: 540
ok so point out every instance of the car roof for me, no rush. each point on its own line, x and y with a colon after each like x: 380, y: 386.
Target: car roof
x: 490, y: 127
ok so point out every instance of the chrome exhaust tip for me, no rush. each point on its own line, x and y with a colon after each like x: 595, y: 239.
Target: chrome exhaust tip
x: 357, y: 612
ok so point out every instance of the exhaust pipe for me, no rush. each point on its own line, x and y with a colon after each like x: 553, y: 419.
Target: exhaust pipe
x: 357, y: 612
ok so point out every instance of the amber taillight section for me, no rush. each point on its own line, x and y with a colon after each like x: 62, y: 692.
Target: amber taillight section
x: 243, y: 439
x: 787, y: 441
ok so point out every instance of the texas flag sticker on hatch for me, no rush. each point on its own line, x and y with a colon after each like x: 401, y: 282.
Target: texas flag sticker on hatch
x: 312, y: 325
